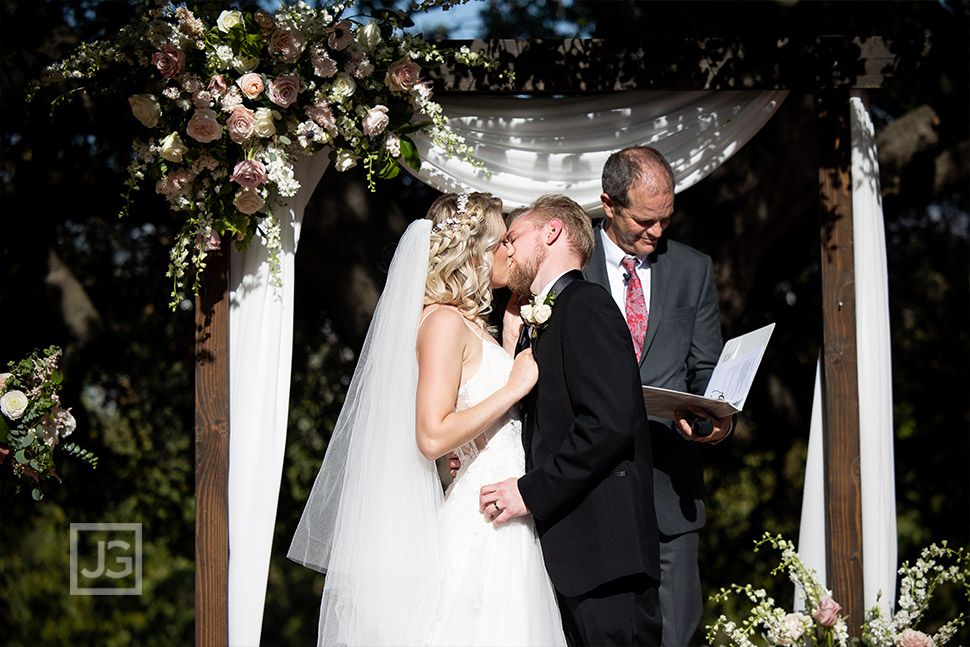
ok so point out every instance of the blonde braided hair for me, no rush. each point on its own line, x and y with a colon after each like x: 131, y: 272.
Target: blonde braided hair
x: 466, y: 229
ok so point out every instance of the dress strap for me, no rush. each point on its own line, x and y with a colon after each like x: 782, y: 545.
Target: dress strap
x: 438, y: 306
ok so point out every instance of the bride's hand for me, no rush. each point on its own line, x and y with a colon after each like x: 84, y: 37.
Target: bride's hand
x: 524, y: 375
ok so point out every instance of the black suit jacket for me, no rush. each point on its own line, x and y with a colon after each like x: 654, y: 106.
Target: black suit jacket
x: 681, y: 348
x: 588, y: 480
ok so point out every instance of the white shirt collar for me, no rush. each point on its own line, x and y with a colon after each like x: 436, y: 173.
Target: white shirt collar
x: 615, y: 255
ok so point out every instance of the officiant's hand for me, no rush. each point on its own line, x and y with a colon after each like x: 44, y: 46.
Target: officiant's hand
x: 688, y: 424
x: 501, y: 501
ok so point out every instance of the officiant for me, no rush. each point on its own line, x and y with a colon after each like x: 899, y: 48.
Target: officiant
x: 666, y: 291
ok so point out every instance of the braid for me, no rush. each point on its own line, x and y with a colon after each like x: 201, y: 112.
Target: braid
x: 466, y: 229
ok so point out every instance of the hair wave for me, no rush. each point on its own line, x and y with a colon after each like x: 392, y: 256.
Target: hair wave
x: 460, y: 259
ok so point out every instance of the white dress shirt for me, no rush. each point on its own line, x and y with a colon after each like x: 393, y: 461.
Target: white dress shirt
x: 615, y: 273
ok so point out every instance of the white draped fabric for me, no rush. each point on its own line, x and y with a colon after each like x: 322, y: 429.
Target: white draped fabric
x: 559, y: 145
x: 532, y: 147
x: 260, y: 354
x: 875, y: 386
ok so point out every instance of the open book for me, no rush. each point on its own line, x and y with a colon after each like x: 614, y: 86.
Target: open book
x: 729, y: 385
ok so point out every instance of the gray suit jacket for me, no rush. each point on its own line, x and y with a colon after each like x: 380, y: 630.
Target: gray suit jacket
x: 681, y: 348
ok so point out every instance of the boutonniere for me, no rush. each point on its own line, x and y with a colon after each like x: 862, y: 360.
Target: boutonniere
x: 536, y: 315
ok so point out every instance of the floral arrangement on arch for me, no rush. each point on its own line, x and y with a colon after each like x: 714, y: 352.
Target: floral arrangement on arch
x: 230, y: 100
x: 822, y: 624
x: 33, y: 422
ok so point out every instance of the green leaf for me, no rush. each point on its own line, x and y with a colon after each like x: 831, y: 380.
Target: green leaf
x: 399, y: 114
x: 36, y: 494
x: 4, y: 430
x: 20, y: 457
x: 410, y: 153
x: 285, y: 140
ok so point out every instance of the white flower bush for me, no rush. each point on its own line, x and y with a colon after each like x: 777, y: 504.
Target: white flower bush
x: 217, y: 86
x: 825, y: 626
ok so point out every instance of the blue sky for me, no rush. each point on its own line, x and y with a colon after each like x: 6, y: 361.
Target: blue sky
x: 463, y: 19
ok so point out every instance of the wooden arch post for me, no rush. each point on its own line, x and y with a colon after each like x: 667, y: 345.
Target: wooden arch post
x: 826, y: 68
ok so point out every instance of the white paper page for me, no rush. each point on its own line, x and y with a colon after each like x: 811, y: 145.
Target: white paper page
x: 731, y: 380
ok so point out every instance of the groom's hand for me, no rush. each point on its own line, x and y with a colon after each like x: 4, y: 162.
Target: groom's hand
x: 501, y: 501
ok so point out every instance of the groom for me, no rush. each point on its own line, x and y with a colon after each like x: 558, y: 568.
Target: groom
x: 589, y: 479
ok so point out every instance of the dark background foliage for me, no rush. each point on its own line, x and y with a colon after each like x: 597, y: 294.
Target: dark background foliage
x: 76, y: 275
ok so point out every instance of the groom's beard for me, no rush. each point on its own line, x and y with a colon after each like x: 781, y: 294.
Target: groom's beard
x: 522, y: 274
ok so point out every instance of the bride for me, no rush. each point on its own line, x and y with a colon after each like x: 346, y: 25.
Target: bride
x: 405, y: 564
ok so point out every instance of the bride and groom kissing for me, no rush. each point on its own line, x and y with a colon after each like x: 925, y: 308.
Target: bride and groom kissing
x: 547, y: 534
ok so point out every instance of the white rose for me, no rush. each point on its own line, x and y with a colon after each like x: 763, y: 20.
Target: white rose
x: 13, y: 404
x: 345, y: 161
x: 69, y: 424
x: 229, y: 19
x: 541, y: 313
x: 369, y: 36
x: 173, y: 148
x: 526, y: 312
x: 245, y: 64
x: 248, y: 201
x: 343, y: 86
x: 266, y: 122
x: 795, y: 625
x: 375, y: 121
x: 146, y: 109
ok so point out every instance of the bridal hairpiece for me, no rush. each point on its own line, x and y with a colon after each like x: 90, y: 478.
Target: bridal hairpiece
x: 454, y: 220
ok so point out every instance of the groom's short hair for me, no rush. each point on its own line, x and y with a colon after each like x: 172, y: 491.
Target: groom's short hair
x: 575, y: 220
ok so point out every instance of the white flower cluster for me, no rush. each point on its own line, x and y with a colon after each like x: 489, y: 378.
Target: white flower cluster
x: 825, y: 625
x: 275, y: 88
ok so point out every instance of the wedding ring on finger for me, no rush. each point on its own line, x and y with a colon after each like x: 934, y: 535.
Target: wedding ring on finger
x: 497, y: 509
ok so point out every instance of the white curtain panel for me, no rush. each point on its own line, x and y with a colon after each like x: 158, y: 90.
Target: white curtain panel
x: 260, y: 357
x: 875, y: 386
x: 558, y: 145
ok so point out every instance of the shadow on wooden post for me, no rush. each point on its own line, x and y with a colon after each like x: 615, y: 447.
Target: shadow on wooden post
x: 212, y: 453
x: 840, y: 377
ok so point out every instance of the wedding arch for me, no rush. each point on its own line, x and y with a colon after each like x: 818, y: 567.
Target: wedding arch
x: 244, y: 322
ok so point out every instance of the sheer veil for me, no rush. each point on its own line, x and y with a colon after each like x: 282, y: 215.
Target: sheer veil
x: 370, y: 520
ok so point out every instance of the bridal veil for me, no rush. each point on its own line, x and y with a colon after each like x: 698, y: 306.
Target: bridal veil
x: 370, y: 520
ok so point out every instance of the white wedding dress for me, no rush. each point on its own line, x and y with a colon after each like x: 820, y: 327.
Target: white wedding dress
x: 495, y: 587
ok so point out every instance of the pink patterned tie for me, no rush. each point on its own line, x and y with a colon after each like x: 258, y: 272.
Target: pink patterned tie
x: 636, y: 306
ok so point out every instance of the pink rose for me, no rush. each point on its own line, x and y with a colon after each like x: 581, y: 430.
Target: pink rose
x: 249, y: 173
x: 283, y: 90
x: 375, y: 121
x: 169, y: 61
x: 204, y: 126
x: 340, y: 36
x: 827, y: 612
x: 912, y: 638
x: 251, y: 85
x: 402, y: 74
x: 217, y: 85
x: 241, y: 124
x: 286, y: 44
x: 248, y: 201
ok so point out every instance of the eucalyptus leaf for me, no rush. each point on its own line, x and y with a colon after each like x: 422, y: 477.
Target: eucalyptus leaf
x: 36, y: 494
x: 285, y: 140
x: 20, y: 457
